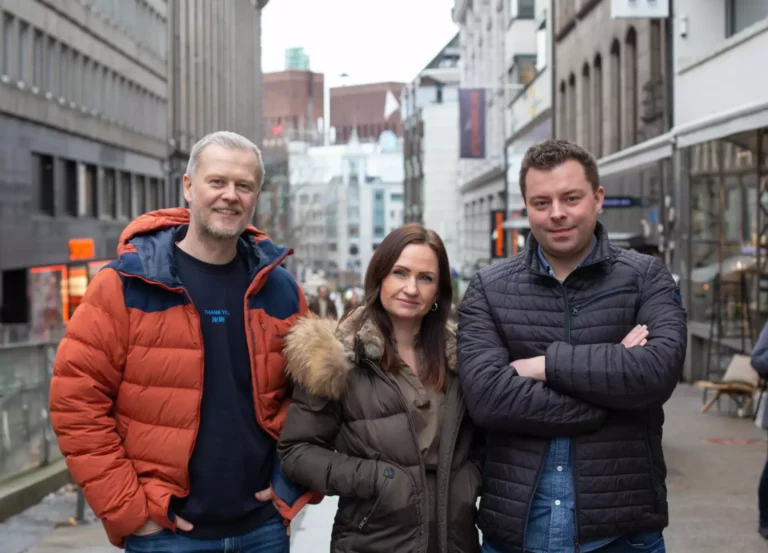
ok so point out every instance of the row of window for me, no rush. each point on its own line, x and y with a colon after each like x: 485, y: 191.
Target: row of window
x: 137, y: 19
x: 44, y: 65
x: 583, y: 99
x: 92, y: 191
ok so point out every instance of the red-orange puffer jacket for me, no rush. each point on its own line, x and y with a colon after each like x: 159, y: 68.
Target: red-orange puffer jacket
x: 124, y: 403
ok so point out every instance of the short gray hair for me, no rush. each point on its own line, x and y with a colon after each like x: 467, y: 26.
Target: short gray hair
x: 229, y: 140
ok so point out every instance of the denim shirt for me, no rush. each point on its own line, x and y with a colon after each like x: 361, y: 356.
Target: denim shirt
x: 551, y: 525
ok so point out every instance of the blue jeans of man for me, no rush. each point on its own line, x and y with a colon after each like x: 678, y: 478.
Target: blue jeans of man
x: 270, y: 537
x: 647, y: 542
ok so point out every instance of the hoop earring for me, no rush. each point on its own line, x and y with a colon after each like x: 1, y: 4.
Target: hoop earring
x: 435, y: 307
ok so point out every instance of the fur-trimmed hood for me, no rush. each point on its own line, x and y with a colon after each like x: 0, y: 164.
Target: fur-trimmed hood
x: 319, y: 353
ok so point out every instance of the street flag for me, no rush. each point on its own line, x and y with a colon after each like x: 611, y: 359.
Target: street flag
x: 391, y: 105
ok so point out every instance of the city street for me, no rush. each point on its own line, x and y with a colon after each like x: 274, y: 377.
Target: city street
x: 714, y: 465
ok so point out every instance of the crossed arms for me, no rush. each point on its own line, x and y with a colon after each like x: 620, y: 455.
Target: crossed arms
x: 570, y: 389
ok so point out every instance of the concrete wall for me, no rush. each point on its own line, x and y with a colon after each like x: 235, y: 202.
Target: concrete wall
x: 216, y: 70
x: 72, y: 68
x: 715, y: 74
x: 29, y: 237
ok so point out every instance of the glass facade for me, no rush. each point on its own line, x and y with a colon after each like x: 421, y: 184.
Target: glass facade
x: 728, y: 276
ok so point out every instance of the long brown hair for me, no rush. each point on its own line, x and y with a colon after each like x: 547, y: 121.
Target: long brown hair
x: 432, y: 334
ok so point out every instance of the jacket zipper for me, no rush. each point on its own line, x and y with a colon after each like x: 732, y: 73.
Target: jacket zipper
x: 573, y: 448
x: 600, y: 296
x: 389, y: 474
x: 573, y: 444
x: 182, y: 290
x: 415, y: 434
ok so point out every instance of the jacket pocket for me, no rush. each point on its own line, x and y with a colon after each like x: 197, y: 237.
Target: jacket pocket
x: 601, y: 296
x: 389, y: 475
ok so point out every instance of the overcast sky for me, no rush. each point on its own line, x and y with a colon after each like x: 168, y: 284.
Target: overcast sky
x: 370, y: 40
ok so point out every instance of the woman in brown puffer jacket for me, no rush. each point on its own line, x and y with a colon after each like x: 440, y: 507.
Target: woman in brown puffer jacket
x: 377, y: 416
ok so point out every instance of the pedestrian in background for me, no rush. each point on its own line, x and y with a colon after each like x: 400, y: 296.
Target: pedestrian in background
x: 323, y: 306
x: 567, y: 353
x: 760, y: 364
x: 167, y: 395
x: 378, y: 418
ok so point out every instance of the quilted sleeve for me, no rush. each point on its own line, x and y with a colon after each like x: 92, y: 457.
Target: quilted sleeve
x: 499, y: 399
x: 290, y: 497
x: 637, y: 378
x: 760, y: 353
x: 307, y: 453
x: 87, y: 372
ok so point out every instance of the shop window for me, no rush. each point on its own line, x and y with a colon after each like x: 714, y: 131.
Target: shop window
x: 45, y: 184
x: 70, y: 187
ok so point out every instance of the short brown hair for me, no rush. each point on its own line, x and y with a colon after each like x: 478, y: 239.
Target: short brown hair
x: 432, y: 335
x: 549, y: 154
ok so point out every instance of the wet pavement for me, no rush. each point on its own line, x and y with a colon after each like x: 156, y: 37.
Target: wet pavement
x: 714, y: 463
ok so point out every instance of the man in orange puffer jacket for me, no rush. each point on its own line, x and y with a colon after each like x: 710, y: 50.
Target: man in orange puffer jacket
x: 168, y: 393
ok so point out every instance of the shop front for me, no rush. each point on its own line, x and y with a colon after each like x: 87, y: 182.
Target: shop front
x: 724, y: 272
x: 53, y: 293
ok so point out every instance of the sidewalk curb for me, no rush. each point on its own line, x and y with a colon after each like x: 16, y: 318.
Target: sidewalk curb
x: 28, y: 490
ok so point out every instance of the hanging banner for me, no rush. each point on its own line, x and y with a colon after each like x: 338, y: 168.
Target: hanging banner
x: 472, y: 123
x: 498, y: 235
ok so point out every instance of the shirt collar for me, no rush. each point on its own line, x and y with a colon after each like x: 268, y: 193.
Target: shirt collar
x: 549, y: 268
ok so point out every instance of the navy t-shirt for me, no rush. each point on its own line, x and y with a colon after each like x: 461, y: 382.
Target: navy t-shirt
x: 233, y: 456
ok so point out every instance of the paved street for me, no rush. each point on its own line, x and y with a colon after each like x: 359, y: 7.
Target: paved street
x: 712, y: 487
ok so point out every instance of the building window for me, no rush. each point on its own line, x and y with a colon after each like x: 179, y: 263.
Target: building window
x: 630, y: 66
x: 38, y: 62
x: 70, y: 187
x: 90, y: 200
x: 740, y: 14
x: 140, y: 197
x: 8, y: 28
x: 572, y: 113
x: 25, y: 53
x: 75, y: 79
x: 616, y: 90
x: 50, y: 54
x: 396, y: 197
x: 597, y: 108
x: 45, y: 184
x: 125, y: 195
x: 109, y: 195
x: 586, y: 108
x: 522, y: 9
x: 353, y: 231
x: 63, y: 71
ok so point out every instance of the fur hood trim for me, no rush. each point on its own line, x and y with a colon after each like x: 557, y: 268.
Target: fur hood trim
x: 319, y: 353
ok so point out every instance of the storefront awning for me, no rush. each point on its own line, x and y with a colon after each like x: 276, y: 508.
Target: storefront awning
x: 660, y: 147
x: 733, y: 121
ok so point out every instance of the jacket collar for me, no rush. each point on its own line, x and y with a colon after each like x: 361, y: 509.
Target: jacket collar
x: 601, y: 252
x: 320, y: 353
x: 146, y: 247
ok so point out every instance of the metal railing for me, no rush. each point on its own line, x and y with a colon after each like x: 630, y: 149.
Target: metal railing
x: 26, y: 438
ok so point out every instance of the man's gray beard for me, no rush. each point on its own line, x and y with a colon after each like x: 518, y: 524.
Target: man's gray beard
x: 211, y: 232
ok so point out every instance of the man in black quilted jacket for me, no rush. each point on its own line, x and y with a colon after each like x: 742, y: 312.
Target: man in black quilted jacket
x: 567, y: 353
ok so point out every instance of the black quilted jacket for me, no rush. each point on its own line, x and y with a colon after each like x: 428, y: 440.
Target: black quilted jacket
x: 605, y: 397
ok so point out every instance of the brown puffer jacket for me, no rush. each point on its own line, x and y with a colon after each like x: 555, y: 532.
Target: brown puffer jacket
x: 348, y: 433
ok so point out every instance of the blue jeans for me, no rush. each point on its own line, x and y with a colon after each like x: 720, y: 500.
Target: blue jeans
x: 646, y: 542
x: 270, y: 537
